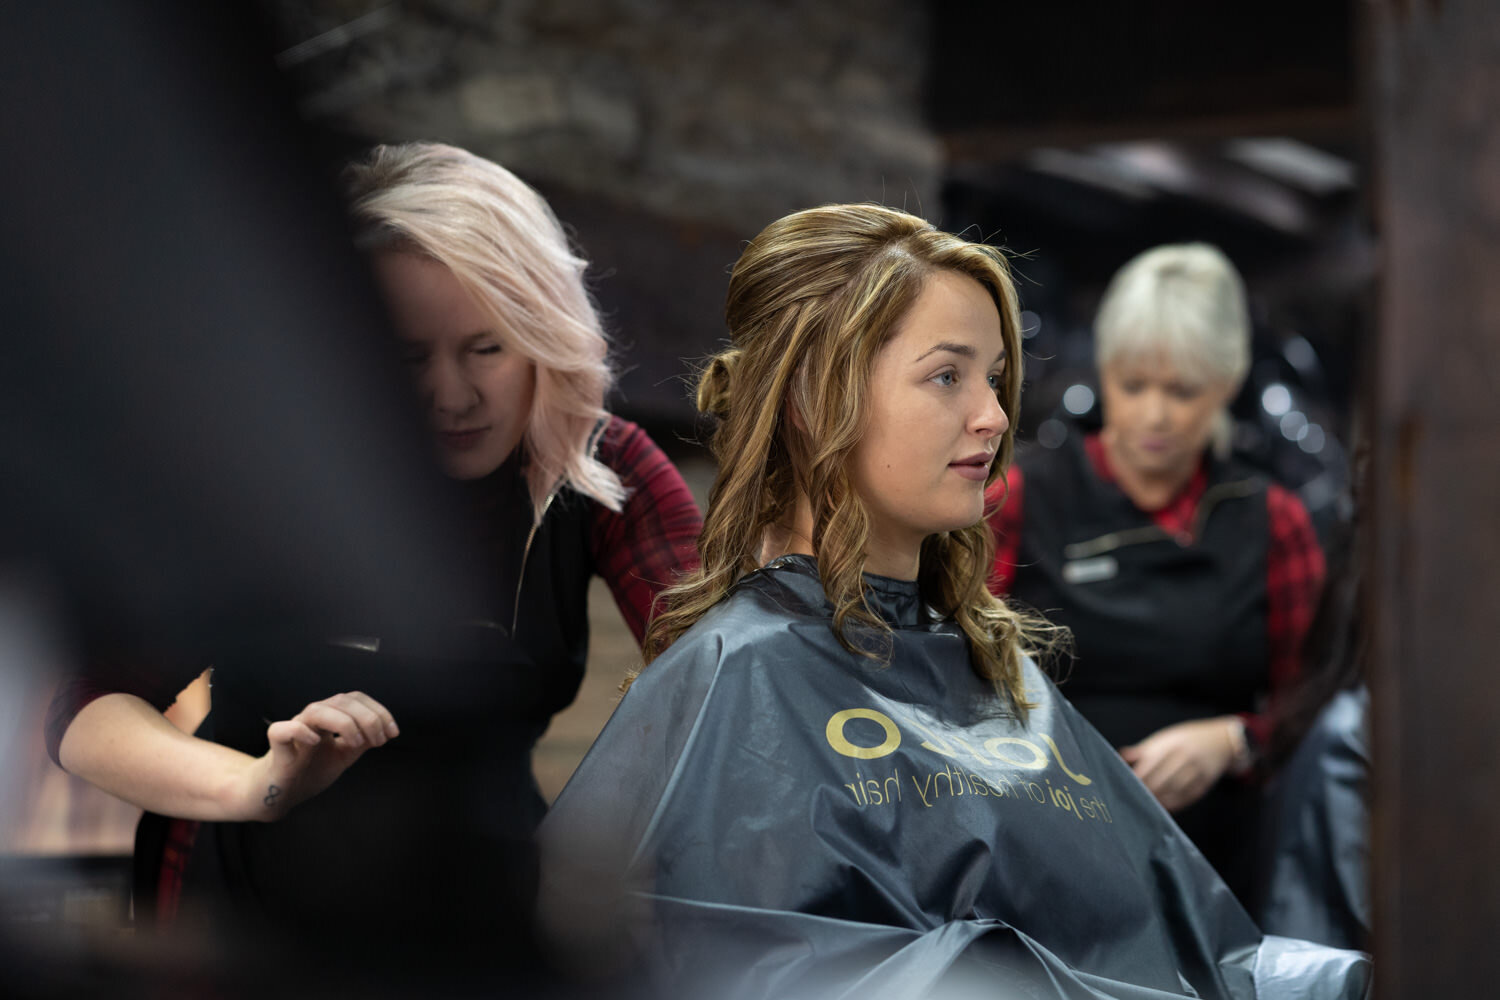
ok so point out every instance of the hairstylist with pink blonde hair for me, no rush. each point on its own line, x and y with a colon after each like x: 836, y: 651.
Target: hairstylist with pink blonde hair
x: 506, y: 350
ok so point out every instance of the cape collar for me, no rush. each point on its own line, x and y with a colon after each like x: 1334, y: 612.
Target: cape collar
x: 898, y: 602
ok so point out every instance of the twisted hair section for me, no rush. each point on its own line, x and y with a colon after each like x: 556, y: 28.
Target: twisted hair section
x: 507, y: 249
x: 812, y: 302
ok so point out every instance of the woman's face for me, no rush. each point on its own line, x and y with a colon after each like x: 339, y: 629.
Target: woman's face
x: 476, y: 387
x: 1157, y: 419
x: 934, y: 422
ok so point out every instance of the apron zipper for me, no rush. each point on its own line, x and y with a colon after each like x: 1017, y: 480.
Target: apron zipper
x: 593, y: 448
x: 515, y: 616
x: 1153, y: 533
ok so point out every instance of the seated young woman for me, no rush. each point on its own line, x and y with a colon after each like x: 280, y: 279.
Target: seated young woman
x: 840, y: 771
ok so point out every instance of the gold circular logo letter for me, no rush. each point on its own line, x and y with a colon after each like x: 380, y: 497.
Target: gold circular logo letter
x: 835, y: 733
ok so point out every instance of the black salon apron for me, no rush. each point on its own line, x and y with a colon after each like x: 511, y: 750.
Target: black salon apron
x: 1166, y: 628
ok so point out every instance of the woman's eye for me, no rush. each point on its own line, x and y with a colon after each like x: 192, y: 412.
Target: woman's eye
x: 997, y: 381
x: 487, y: 349
x: 1184, y: 392
x: 945, y: 379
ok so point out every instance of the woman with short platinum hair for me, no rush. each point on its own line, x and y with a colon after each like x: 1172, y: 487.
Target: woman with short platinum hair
x: 1188, y: 580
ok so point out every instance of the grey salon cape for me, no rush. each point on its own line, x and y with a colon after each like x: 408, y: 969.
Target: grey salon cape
x: 1319, y: 870
x: 770, y: 815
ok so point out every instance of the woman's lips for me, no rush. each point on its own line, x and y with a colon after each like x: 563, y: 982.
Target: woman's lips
x: 977, y: 471
x: 461, y: 440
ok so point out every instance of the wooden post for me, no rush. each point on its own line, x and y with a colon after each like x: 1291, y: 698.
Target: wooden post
x: 1434, y: 90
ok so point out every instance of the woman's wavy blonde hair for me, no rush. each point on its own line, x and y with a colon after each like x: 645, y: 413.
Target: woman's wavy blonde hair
x: 501, y: 241
x: 812, y: 301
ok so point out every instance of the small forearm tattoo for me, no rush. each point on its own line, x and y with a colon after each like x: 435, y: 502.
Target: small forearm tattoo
x: 271, y: 793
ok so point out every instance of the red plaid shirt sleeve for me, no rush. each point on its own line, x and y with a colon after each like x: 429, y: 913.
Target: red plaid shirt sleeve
x: 1294, y: 582
x: 653, y: 540
x: 1002, y: 504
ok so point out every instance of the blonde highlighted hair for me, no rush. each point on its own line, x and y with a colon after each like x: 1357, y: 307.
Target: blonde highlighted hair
x: 501, y: 241
x: 812, y: 301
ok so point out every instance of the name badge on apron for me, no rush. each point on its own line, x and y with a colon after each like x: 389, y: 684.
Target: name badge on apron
x: 1090, y: 570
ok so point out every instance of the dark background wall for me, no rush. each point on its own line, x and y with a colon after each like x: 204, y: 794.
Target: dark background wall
x: 667, y: 132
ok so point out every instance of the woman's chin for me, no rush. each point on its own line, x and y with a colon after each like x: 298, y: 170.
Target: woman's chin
x: 1147, y: 461
x: 465, y: 468
x: 960, y: 521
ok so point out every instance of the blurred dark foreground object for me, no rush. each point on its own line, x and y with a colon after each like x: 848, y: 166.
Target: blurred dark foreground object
x: 202, y: 442
x: 422, y: 850
x: 200, y: 432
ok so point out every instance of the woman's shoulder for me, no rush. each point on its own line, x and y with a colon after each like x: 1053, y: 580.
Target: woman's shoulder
x: 762, y: 606
x: 762, y: 612
x: 623, y: 446
x: 1284, y: 506
x: 649, y: 477
x: 1037, y: 683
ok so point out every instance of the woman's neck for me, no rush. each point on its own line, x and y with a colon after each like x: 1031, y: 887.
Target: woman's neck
x: 1148, y: 490
x: 794, y: 536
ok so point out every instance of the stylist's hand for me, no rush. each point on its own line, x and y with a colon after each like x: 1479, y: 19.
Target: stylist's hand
x: 310, y: 750
x: 1182, y: 762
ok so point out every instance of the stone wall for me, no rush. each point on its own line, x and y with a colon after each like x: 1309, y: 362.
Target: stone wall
x: 665, y: 132
x: 727, y: 114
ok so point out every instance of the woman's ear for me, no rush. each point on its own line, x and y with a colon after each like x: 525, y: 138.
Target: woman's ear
x: 792, y: 413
